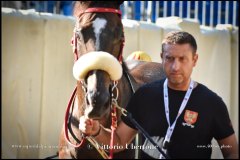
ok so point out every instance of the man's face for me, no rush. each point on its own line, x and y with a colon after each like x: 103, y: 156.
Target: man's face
x: 178, y: 62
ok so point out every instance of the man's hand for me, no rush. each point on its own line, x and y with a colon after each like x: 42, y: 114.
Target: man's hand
x: 89, y: 126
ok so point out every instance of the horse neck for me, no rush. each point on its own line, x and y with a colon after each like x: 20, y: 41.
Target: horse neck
x: 125, y: 91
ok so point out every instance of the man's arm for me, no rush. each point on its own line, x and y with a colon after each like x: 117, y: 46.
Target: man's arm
x: 229, y: 147
x: 123, y: 136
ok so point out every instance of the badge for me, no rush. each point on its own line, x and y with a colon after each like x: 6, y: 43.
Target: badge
x: 190, y: 117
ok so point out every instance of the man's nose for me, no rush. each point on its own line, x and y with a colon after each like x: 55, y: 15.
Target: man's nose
x: 175, y: 65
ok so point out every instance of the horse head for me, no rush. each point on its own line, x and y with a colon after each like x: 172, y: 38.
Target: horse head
x: 98, y: 41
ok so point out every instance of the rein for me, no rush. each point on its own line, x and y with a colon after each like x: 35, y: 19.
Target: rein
x: 114, y: 99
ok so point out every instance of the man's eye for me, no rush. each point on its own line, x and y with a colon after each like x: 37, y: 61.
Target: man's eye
x: 182, y: 58
x: 169, y: 58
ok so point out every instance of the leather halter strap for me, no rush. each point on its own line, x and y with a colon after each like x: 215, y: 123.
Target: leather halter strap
x: 103, y: 10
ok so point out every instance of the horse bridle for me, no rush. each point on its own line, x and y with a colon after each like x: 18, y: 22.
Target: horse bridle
x: 114, y: 104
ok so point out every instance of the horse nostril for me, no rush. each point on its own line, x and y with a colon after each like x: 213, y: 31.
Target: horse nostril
x: 87, y: 101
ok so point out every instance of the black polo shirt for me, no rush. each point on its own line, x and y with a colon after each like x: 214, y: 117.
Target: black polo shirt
x: 205, y: 117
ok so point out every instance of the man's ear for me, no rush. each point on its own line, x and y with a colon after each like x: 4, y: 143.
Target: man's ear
x: 161, y: 55
x: 195, y: 59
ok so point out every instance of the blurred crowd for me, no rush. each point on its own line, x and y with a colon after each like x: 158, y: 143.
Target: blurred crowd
x: 57, y: 7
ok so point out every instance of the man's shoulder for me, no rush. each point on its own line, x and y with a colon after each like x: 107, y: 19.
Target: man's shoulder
x: 150, y: 88
x: 204, y: 90
x: 155, y: 84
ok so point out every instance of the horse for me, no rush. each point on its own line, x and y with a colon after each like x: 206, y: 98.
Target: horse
x: 102, y: 76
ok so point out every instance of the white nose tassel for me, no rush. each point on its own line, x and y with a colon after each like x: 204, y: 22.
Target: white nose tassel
x: 97, y: 60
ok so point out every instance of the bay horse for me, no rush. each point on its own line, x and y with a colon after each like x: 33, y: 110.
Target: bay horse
x: 102, y: 75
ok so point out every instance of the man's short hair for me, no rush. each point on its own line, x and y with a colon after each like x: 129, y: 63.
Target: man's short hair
x: 180, y: 37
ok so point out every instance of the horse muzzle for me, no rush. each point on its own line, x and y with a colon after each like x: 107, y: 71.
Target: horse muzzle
x: 98, y: 104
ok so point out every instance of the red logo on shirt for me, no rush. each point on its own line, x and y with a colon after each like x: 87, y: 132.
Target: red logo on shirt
x: 190, y: 116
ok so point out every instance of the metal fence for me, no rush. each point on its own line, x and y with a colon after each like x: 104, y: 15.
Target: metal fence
x: 209, y: 13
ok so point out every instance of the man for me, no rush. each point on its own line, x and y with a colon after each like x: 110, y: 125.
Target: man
x: 180, y: 114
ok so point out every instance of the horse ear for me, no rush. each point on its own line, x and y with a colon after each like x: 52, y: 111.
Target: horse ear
x: 78, y: 6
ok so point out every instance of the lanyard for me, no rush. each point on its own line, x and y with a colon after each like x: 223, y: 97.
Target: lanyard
x: 166, y: 104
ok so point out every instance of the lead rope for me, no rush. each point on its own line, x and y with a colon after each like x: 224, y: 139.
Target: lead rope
x: 96, y: 145
x: 113, y: 129
x: 66, y: 122
x: 114, y: 119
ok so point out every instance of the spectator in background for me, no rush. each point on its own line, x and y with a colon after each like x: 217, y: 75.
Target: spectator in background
x: 61, y: 7
x: 58, y: 7
x: 67, y: 7
x: 12, y: 4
